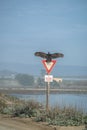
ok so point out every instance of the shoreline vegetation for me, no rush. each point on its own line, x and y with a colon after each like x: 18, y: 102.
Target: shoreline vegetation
x: 66, y: 116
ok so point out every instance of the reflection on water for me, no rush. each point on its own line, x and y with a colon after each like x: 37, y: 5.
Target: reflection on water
x: 79, y: 101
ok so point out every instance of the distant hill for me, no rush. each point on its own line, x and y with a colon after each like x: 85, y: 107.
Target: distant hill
x: 6, y: 72
x: 35, y: 69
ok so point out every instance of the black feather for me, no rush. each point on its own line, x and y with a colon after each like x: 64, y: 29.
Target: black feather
x: 49, y: 56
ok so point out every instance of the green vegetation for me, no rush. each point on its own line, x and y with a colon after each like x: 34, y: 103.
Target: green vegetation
x: 7, y: 103
x: 63, y: 117
x: 2, y: 106
x: 55, y: 116
x: 25, y: 79
x: 40, y: 82
x: 28, y: 109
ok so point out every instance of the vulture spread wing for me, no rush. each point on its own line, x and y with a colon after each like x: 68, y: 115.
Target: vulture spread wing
x: 56, y: 55
x: 48, y: 56
x: 41, y: 54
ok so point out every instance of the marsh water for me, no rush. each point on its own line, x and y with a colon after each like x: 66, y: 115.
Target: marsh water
x: 78, y: 101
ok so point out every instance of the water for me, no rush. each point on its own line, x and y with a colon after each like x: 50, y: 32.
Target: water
x: 78, y: 101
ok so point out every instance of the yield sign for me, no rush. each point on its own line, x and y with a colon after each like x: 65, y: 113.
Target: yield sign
x: 48, y: 65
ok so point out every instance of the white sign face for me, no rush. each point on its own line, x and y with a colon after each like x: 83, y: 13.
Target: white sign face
x: 49, y: 64
x: 48, y: 78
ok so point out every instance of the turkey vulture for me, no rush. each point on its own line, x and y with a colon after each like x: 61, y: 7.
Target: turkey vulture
x: 48, y: 56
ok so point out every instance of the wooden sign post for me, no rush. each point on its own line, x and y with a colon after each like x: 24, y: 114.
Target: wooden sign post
x: 48, y: 78
x: 47, y: 96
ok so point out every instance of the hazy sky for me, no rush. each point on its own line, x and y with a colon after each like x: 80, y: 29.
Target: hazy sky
x: 27, y: 26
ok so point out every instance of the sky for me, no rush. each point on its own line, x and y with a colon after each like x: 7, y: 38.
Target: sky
x: 27, y: 26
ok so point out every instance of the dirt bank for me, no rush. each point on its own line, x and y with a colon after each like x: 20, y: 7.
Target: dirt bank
x: 8, y: 123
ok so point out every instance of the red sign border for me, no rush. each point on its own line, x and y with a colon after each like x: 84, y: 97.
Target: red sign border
x: 49, y: 70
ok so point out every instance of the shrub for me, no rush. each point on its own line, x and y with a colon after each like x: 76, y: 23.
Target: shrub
x: 63, y: 117
x: 2, y: 105
x: 25, y: 79
x: 29, y: 109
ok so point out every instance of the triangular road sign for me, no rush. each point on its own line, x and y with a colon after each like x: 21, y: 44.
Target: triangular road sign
x: 48, y: 65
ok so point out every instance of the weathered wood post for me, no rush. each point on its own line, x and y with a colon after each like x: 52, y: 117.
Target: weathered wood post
x: 47, y: 96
